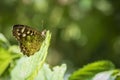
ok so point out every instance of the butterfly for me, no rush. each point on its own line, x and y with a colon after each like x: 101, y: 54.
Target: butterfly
x: 29, y: 39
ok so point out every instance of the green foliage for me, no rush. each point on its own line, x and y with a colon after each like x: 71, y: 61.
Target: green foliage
x: 3, y: 41
x: 6, y: 55
x: 47, y: 74
x: 83, y: 30
x: 5, y: 60
x: 107, y: 75
x: 90, y: 70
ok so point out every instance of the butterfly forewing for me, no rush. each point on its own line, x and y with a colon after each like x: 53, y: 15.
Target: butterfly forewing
x: 30, y: 40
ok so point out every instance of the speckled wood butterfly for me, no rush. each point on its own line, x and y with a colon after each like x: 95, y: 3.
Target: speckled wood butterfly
x: 30, y: 39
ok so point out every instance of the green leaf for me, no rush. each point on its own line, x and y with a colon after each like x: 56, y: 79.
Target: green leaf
x: 6, y: 55
x: 118, y: 77
x: 28, y: 67
x: 3, y: 41
x: 116, y: 74
x: 47, y: 74
x: 87, y: 72
x: 108, y: 75
x: 5, y: 59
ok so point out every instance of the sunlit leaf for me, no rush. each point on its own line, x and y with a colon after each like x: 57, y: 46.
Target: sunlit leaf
x: 88, y: 71
x: 6, y: 55
x: 47, y: 74
x: 107, y: 75
x: 5, y: 59
x: 3, y: 41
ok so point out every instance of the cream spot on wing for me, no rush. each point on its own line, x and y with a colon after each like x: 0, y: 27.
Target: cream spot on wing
x: 17, y: 30
x: 28, y: 32
x: 18, y: 38
x: 31, y: 33
x: 23, y: 35
x: 22, y: 29
x: 18, y: 34
x: 43, y: 33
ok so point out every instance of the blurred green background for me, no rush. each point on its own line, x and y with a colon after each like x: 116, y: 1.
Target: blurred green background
x: 83, y: 31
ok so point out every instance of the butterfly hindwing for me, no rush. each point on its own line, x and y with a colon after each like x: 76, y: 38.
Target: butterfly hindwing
x: 30, y: 40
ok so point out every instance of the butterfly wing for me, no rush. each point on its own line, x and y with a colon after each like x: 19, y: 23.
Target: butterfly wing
x: 30, y: 40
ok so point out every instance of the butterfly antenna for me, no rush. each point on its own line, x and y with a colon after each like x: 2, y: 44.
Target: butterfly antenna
x: 42, y: 24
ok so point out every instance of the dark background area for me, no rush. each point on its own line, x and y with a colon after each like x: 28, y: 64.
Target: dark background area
x: 83, y: 31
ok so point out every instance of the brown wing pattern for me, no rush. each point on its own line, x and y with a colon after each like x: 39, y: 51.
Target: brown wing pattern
x: 30, y: 40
